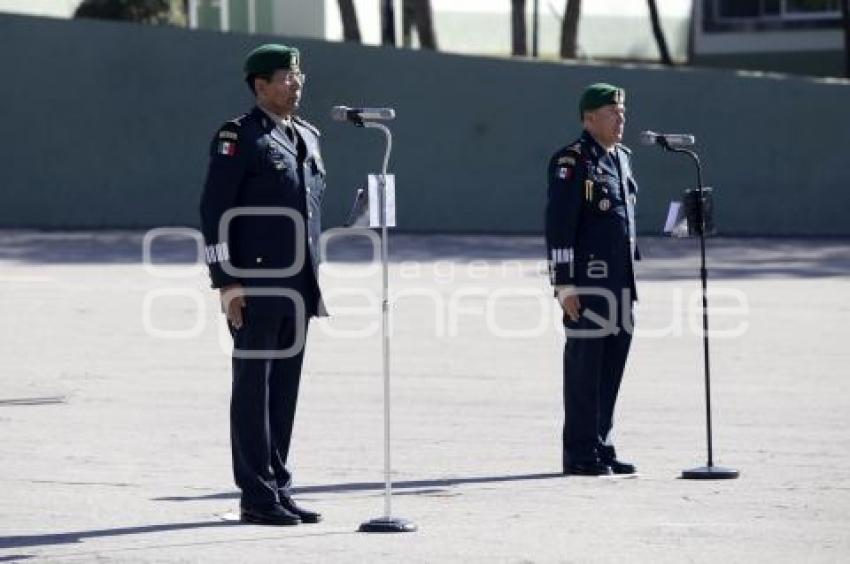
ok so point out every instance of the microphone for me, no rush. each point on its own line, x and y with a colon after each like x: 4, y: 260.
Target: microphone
x: 358, y: 115
x: 666, y: 139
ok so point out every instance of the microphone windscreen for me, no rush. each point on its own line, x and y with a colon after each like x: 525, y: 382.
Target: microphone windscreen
x: 339, y: 113
x: 386, y: 113
x: 647, y: 138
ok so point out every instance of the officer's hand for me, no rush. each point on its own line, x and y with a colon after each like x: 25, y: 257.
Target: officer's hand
x: 569, y: 302
x: 232, y: 303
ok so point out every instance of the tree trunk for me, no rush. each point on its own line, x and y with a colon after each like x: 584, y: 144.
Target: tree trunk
x: 387, y: 23
x: 569, y: 29
x: 350, y: 27
x: 408, y: 20
x: 845, y: 13
x: 425, y: 25
x: 519, y: 41
x: 535, y: 29
x: 692, y: 33
x: 659, y: 33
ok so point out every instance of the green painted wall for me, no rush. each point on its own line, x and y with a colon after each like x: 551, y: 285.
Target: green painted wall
x: 107, y: 125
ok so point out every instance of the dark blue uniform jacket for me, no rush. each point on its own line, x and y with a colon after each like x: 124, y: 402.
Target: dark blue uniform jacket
x: 261, y: 208
x: 590, y: 233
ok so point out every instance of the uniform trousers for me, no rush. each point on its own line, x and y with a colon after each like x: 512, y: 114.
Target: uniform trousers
x: 263, y: 400
x: 593, y: 370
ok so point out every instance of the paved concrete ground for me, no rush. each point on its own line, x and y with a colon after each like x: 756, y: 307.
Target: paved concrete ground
x: 114, y: 407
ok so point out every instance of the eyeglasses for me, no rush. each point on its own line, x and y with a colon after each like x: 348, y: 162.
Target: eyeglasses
x: 292, y: 76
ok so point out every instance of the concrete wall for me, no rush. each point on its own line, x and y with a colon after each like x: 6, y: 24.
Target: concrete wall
x: 811, y: 63
x: 107, y: 125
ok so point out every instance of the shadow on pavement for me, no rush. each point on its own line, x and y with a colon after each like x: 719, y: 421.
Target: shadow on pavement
x: 79, y: 536
x: 44, y: 400
x: 664, y: 258
x: 379, y: 486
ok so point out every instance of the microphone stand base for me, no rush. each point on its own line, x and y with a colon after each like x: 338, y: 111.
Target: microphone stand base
x: 710, y: 473
x: 388, y: 525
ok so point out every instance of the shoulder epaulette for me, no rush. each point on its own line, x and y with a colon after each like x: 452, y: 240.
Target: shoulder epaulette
x: 230, y: 129
x: 235, y: 122
x: 568, y: 159
x: 308, y: 125
x: 574, y: 149
x: 624, y: 148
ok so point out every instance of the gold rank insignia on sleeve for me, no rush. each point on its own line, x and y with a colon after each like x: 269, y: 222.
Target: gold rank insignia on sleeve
x: 224, y: 134
x: 567, y: 160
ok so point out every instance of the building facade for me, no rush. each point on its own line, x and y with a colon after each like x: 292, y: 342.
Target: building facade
x: 788, y: 36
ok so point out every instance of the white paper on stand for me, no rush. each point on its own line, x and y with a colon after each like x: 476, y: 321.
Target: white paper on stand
x: 374, y: 199
x: 672, y: 216
x: 676, y: 224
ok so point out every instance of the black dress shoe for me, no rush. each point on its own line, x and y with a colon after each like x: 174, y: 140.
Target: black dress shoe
x: 305, y: 515
x: 620, y: 467
x: 589, y: 468
x: 272, y: 515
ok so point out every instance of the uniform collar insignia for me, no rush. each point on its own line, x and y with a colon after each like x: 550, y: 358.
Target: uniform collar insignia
x: 595, y: 148
x: 263, y: 118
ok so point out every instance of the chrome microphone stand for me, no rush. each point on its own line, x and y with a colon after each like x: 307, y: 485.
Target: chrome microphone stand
x: 386, y: 523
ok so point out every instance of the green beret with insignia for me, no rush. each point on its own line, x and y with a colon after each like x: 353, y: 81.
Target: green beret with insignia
x: 266, y: 59
x: 598, y: 95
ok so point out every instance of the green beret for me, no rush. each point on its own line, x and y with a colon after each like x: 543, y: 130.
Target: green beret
x: 598, y: 95
x: 266, y: 59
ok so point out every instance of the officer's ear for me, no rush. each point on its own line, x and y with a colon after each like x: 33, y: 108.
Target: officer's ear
x: 251, y: 80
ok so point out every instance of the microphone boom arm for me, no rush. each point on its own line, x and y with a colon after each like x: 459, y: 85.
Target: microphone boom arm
x: 387, y: 133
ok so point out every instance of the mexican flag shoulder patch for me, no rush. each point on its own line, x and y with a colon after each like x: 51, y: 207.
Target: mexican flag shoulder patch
x: 226, y: 148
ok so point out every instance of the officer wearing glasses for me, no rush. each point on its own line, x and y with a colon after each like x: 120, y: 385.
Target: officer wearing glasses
x: 260, y: 217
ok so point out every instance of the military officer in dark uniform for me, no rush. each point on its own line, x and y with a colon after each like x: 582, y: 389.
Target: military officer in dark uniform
x: 260, y: 216
x: 590, y: 238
